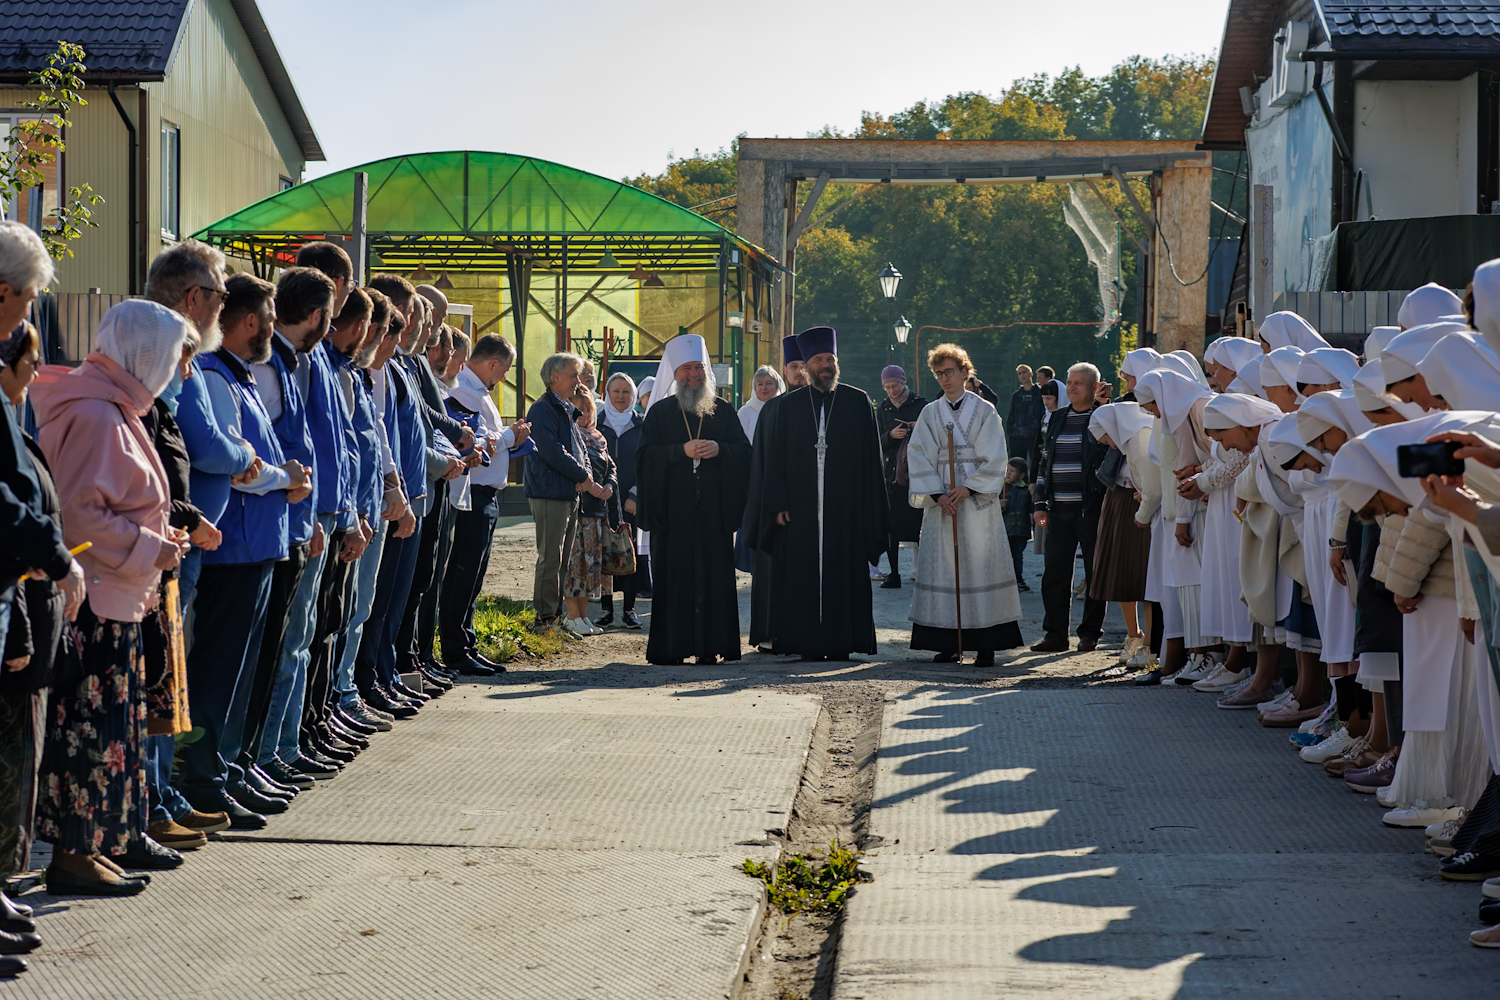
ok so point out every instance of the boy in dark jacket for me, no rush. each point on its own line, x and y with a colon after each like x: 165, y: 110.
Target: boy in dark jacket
x: 1015, y: 500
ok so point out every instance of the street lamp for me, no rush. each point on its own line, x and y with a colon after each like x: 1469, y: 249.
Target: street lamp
x: 890, y: 280
x: 903, y: 328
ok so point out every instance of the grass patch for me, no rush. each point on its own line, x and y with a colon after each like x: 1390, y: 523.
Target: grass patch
x: 506, y: 631
x: 810, y: 883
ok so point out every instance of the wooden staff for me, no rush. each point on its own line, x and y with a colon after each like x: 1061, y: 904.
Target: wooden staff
x: 958, y: 605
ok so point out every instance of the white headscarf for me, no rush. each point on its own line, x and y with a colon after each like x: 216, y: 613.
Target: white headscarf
x: 1376, y: 341
x: 1172, y: 392
x: 1139, y: 361
x: 1399, y: 361
x: 1428, y: 304
x: 1185, y: 363
x: 1370, y: 394
x: 1285, y: 442
x: 1233, y: 352
x: 1328, y: 364
x: 678, y: 352
x: 1372, y: 464
x: 1280, y: 367
x: 1487, y: 302
x: 1464, y: 371
x: 1287, y: 328
x: 645, y: 386
x: 144, y: 338
x: 1331, y: 409
x: 617, y: 421
x: 1249, y: 378
x: 1232, y: 409
x: 1121, y: 421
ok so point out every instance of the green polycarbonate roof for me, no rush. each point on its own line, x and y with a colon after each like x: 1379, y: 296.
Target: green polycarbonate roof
x: 466, y: 210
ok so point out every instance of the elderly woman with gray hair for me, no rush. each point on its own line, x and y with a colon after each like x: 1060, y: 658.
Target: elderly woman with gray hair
x: 114, y: 495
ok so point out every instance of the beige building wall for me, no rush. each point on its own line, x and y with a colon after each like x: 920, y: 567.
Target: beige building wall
x: 236, y: 147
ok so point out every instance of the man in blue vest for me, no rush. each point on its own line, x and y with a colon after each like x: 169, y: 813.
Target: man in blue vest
x: 235, y: 587
x: 304, y: 305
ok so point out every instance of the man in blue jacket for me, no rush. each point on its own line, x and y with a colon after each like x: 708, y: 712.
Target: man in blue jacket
x: 556, y: 472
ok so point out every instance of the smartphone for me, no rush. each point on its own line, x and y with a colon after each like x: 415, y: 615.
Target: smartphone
x: 1414, y: 461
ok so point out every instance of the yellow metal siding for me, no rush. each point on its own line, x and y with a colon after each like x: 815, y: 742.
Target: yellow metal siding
x: 236, y: 146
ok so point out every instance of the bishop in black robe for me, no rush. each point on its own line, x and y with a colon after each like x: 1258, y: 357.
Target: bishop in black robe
x: 692, y: 515
x: 820, y: 600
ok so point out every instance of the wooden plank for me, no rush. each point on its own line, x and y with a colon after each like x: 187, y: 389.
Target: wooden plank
x: 807, y: 209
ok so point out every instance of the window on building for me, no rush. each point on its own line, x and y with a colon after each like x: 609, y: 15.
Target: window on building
x: 171, y: 180
x: 51, y: 179
x: 282, y: 183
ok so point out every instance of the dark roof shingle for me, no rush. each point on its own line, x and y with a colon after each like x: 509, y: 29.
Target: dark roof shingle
x: 123, y: 39
x: 1452, y: 28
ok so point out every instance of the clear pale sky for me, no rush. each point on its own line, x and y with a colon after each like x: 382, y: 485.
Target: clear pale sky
x: 615, y: 87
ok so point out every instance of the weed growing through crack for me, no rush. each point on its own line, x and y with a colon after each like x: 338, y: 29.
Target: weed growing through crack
x: 506, y: 630
x: 810, y: 883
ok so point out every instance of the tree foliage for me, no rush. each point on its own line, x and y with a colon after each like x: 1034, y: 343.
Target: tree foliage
x: 33, y: 143
x: 982, y: 255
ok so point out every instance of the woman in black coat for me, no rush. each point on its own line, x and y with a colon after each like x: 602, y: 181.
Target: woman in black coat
x: 32, y: 539
x: 894, y: 417
x: 621, y: 427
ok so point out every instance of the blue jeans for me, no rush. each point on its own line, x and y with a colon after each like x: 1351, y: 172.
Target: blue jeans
x: 231, y: 618
x: 167, y: 802
x: 284, y: 720
x: 364, y: 597
x: 187, y: 585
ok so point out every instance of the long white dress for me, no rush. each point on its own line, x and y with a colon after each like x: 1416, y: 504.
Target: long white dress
x: 1222, y: 613
x: 986, y: 572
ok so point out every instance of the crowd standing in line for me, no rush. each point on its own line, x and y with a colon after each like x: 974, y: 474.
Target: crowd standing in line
x: 264, y: 512
x: 250, y: 511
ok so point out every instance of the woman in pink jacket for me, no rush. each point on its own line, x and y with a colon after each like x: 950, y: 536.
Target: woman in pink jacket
x: 114, y: 495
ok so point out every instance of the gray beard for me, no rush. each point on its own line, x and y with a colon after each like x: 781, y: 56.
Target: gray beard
x: 700, y: 401
x: 212, y: 338
x: 824, y: 383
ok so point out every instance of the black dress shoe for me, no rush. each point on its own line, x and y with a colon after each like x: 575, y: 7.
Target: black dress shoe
x: 20, y: 908
x: 12, y: 966
x: 348, y: 722
x: 266, y: 805
x: 263, y: 783
x: 442, y: 681
x: 348, y: 737
x: 284, y: 775
x: 64, y: 883
x: 304, y: 765
x: 485, y: 661
x: 379, y: 699
x: 1051, y: 646
x: 892, y: 582
x: 986, y: 658
x: 398, y: 688
x: 1088, y: 645
x: 321, y: 752
x: 148, y: 854
x: 605, y: 620
x: 630, y: 619
x: 1150, y: 678
x: 18, y: 944
x: 1489, y: 912
x: 945, y: 658
x: 473, y: 668
x: 18, y: 925
x: 241, y: 818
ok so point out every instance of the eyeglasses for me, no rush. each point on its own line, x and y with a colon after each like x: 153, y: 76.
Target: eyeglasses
x: 946, y: 373
x: 222, y: 293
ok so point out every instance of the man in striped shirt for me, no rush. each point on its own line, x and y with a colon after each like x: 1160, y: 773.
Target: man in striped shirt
x: 1068, y: 498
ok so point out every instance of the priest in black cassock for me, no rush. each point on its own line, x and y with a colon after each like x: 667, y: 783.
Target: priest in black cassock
x: 795, y: 373
x: 692, y: 472
x: 818, y: 506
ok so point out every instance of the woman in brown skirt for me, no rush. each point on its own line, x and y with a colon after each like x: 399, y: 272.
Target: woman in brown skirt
x: 1124, y: 546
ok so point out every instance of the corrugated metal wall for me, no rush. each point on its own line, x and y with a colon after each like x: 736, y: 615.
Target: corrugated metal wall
x: 235, y: 146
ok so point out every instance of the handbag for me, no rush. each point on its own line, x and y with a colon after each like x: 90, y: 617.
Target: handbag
x: 618, y: 551
x: 901, y: 475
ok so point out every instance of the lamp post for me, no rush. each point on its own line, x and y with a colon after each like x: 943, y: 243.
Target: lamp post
x: 890, y: 280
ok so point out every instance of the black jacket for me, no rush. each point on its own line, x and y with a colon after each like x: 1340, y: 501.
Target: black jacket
x: 622, y: 450
x: 1093, y: 454
x: 36, y: 618
x: 558, y: 464
x: 172, y: 451
x: 602, y: 467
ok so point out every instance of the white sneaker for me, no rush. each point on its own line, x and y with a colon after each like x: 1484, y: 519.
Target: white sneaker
x: 1198, y: 667
x: 1275, y: 703
x: 1419, y: 817
x: 1386, y: 798
x: 1131, y: 649
x: 1334, y: 746
x: 1220, y: 679
x: 1238, y: 686
x: 581, y: 627
x: 1491, y: 888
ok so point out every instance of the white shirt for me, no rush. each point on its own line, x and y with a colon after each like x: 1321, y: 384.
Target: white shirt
x: 472, y: 395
